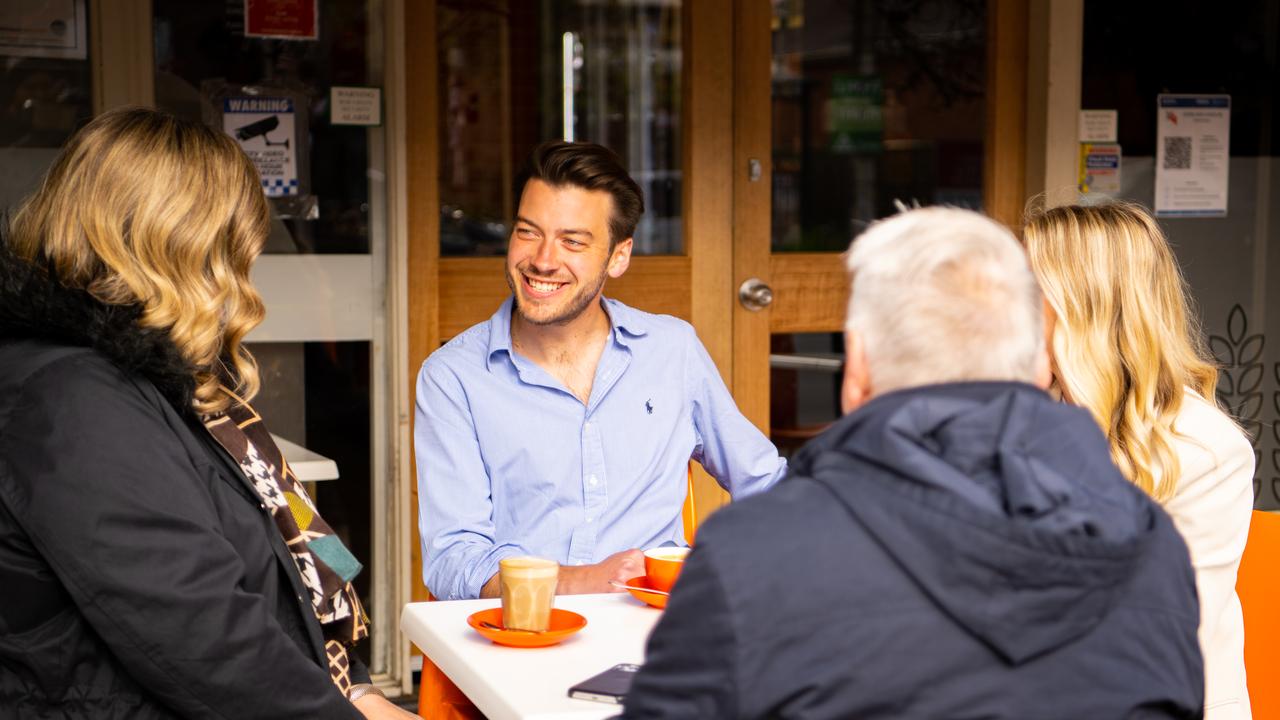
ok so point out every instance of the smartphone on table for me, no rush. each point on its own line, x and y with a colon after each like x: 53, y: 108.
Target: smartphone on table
x: 610, y: 686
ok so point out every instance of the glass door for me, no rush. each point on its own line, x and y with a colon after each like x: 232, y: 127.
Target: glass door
x: 847, y: 111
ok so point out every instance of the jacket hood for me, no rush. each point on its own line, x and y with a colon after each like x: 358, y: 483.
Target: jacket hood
x: 1002, y: 505
x: 35, y: 305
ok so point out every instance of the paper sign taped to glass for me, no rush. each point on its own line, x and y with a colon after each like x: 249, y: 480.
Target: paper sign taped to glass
x: 1100, y: 169
x: 264, y: 127
x: 271, y: 124
x: 1193, y: 155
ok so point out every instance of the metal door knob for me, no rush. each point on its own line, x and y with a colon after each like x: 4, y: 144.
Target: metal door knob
x: 755, y: 295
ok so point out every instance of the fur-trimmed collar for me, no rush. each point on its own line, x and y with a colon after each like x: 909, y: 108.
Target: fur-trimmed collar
x: 33, y: 304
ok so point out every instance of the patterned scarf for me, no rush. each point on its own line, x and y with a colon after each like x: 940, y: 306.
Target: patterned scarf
x: 325, y: 564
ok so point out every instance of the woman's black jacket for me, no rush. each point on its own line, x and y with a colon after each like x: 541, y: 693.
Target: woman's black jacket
x: 140, y: 576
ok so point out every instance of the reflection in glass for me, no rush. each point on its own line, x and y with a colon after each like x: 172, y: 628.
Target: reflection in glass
x: 513, y: 74
x: 805, y: 373
x: 874, y: 101
x: 317, y: 395
x: 201, y: 53
x: 45, y: 96
x: 1227, y: 261
x: 318, y: 392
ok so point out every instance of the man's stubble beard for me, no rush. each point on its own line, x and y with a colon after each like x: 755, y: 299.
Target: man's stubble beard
x: 577, y: 305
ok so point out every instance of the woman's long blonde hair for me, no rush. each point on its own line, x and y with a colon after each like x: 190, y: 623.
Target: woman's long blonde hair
x: 1126, y: 343
x: 142, y: 208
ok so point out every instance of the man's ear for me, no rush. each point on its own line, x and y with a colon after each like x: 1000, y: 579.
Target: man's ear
x: 856, y: 388
x: 620, y: 259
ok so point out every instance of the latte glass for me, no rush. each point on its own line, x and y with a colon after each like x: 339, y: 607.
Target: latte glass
x: 528, y: 592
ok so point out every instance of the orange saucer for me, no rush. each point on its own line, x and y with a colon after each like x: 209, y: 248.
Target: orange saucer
x: 649, y: 598
x: 563, y: 624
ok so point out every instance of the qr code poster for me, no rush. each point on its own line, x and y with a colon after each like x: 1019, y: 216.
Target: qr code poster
x: 1193, y: 155
x: 264, y: 127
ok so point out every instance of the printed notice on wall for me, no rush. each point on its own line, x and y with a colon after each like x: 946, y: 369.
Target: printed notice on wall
x: 264, y: 128
x: 1193, y: 154
x: 355, y: 105
x: 284, y: 19
x: 1098, y: 126
x: 1100, y: 169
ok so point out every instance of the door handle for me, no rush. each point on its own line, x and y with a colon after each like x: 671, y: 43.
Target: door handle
x: 755, y: 294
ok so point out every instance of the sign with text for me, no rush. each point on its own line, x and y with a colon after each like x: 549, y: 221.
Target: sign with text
x: 1193, y: 155
x: 1098, y: 126
x: 285, y: 19
x: 855, y: 114
x: 355, y: 105
x: 1100, y: 169
x: 264, y: 127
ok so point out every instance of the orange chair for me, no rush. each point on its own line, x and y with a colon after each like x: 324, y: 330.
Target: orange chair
x: 440, y: 699
x: 1258, y: 585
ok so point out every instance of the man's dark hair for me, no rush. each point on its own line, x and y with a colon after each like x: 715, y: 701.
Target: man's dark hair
x: 591, y: 167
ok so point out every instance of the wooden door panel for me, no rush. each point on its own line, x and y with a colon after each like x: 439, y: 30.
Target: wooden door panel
x: 810, y: 291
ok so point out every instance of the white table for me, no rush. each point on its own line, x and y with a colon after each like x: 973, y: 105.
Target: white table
x: 307, y: 466
x: 509, y: 683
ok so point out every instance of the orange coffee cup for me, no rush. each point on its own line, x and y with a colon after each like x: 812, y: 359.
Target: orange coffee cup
x: 662, y: 566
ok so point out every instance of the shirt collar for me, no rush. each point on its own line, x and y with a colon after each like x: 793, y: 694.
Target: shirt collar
x: 627, y: 323
x: 500, y: 329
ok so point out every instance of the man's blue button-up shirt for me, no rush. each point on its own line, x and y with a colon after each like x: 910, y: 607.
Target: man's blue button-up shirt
x: 510, y: 462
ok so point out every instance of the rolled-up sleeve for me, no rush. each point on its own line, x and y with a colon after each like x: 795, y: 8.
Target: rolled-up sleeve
x: 729, y: 446
x: 455, y: 503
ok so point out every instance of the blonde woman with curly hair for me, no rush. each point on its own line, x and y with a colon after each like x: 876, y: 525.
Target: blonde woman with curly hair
x: 1126, y: 347
x: 158, y: 558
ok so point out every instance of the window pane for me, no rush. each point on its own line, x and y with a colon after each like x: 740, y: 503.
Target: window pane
x: 805, y: 373
x: 203, y: 57
x: 504, y: 70
x: 1130, y: 57
x: 45, y: 89
x: 873, y: 103
x: 320, y: 347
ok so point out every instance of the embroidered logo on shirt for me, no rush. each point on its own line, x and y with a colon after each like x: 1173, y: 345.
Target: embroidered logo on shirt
x: 648, y: 407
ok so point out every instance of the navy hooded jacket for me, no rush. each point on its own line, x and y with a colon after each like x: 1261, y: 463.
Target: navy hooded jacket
x: 950, y: 551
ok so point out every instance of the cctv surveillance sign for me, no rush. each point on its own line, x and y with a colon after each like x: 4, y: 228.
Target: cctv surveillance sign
x: 264, y: 127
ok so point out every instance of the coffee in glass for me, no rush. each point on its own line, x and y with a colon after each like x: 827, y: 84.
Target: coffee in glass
x: 528, y: 592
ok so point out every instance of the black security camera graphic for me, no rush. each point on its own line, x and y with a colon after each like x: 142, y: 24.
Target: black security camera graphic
x: 261, y: 127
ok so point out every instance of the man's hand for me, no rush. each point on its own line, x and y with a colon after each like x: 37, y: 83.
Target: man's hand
x: 620, y: 567
x: 376, y: 707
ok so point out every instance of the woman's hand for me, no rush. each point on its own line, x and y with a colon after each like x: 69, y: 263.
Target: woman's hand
x: 376, y: 707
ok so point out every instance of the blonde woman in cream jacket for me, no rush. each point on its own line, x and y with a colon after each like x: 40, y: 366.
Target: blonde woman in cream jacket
x: 1126, y: 348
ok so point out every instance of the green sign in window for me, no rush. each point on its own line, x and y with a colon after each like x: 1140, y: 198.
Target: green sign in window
x: 855, y: 121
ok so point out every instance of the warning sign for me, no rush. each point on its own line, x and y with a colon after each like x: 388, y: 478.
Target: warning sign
x: 264, y: 127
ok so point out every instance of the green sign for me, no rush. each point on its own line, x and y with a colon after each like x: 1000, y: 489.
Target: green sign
x: 855, y: 119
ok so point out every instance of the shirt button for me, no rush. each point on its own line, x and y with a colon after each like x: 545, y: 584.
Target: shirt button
x: 586, y: 425
x: 593, y: 480
x: 590, y: 519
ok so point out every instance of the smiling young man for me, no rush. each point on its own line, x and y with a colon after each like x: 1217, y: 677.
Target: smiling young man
x: 562, y: 427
